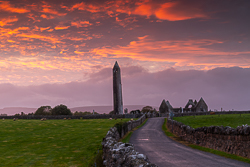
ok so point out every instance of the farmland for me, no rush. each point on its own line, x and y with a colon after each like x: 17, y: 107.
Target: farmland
x: 52, y: 142
x: 232, y: 120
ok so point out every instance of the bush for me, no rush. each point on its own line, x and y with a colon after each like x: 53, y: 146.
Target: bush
x: 122, y: 126
x: 85, y: 113
x: 61, y: 110
x: 135, y: 112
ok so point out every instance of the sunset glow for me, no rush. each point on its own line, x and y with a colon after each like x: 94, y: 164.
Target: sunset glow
x: 58, y: 42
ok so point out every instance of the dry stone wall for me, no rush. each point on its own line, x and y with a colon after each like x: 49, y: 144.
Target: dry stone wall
x: 208, y: 113
x: 96, y: 116
x: 179, y: 114
x: 227, y: 139
x: 118, y: 154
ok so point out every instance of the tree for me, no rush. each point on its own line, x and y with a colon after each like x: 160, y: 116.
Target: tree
x: 111, y: 112
x: 61, y: 110
x: 43, y: 110
x: 147, y: 109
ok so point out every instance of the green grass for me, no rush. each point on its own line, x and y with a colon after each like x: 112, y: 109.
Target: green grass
x: 126, y: 138
x: 194, y: 146
x: 220, y: 153
x: 52, y: 142
x: 232, y: 120
x: 165, y: 130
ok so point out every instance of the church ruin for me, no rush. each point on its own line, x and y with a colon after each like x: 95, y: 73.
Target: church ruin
x: 191, y: 106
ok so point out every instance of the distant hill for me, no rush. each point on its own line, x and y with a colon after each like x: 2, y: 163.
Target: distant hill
x: 17, y: 110
x: 99, y: 109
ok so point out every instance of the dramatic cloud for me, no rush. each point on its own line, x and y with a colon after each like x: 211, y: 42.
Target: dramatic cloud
x: 62, y: 42
x: 6, y: 6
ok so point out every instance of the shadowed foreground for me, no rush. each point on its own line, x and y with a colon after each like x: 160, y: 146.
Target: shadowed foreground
x: 162, y: 151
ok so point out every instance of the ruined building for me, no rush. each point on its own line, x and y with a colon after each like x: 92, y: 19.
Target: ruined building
x: 191, y: 106
x: 165, y: 107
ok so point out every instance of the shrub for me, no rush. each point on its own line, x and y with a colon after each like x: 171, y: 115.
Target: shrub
x: 84, y: 113
x: 121, y: 126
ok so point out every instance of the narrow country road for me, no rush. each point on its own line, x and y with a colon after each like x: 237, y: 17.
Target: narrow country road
x: 164, y: 152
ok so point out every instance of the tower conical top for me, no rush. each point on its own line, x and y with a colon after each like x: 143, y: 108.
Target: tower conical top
x: 116, y: 65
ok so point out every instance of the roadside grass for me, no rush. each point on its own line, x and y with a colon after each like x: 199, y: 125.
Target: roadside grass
x: 220, y: 153
x: 126, y: 138
x: 194, y: 146
x: 232, y: 120
x: 52, y: 142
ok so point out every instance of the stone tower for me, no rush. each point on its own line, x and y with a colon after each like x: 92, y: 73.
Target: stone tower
x: 117, y: 90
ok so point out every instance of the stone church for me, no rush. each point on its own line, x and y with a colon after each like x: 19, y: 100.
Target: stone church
x: 191, y: 106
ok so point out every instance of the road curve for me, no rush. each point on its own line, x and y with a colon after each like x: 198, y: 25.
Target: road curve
x: 164, y: 152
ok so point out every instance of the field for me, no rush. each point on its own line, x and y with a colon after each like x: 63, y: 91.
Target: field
x: 52, y: 142
x: 232, y: 120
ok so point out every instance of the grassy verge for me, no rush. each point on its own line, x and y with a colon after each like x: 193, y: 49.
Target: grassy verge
x: 220, y: 153
x: 126, y: 138
x: 52, y: 142
x: 232, y: 120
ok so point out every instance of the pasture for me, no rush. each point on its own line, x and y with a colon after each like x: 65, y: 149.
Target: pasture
x: 232, y: 120
x: 52, y: 142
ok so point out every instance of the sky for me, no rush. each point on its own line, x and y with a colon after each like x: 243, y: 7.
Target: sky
x: 62, y: 52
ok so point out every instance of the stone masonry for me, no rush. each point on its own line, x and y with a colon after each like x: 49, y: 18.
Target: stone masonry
x: 118, y: 154
x: 227, y: 139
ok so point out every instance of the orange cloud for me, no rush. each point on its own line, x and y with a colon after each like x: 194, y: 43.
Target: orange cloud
x: 45, y: 28
x: 47, y: 17
x: 52, y: 11
x: 49, y: 11
x: 33, y: 17
x: 81, y: 24
x: 40, y: 37
x: 61, y: 27
x: 6, y: 6
x: 144, y: 9
x: 6, y: 21
x: 181, y: 53
x: 88, y: 7
x: 172, y: 11
x: 50, y: 30
x: 79, y: 6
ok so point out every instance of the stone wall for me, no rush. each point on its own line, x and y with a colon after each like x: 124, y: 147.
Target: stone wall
x: 118, y: 154
x: 227, y: 139
x: 96, y: 116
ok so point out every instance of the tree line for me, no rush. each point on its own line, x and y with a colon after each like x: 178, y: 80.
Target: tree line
x: 63, y: 110
x: 59, y: 110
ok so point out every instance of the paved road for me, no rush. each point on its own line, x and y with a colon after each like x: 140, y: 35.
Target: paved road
x: 164, y: 152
